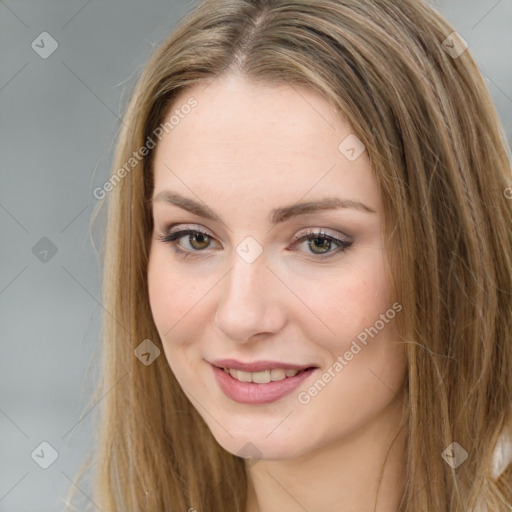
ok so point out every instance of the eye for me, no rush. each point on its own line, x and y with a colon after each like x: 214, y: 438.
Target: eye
x: 199, y: 240
x: 321, y: 240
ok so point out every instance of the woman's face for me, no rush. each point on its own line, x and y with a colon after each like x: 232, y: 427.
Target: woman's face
x: 259, y: 290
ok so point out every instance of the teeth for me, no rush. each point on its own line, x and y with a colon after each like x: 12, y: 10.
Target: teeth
x: 243, y: 376
x: 277, y: 374
x: 263, y: 377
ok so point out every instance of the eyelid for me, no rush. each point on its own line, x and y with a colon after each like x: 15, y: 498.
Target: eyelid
x: 323, y: 231
x: 183, y: 227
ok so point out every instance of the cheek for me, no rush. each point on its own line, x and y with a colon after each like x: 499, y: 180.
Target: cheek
x: 364, y: 364
x: 348, y: 301
x: 173, y: 295
x: 171, y: 300
x: 175, y: 304
x: 372, y: 358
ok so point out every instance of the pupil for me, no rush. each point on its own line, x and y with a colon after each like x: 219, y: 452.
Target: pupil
x: 200, y: 238
x: 316, y: 240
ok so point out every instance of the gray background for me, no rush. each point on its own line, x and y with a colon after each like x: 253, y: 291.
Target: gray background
x: 59, y: 119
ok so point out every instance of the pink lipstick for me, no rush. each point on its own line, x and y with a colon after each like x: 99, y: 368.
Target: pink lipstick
x: 234, y: 379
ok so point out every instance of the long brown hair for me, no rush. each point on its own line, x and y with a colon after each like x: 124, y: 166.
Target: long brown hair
x: 417, y: 101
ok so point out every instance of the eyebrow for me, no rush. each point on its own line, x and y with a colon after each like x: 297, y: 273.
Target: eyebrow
x: 277, y: 215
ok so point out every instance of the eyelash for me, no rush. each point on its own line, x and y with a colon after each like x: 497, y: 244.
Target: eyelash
x: 172, y: 238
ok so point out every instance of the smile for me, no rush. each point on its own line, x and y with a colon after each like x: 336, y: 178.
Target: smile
x: 260, y: 387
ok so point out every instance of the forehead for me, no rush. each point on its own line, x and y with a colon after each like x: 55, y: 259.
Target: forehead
x: 243, y: 138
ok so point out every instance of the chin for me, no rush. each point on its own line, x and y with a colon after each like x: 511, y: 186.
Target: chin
x: 250, y: 440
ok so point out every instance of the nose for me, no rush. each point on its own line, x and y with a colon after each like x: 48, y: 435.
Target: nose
x: 251, y: 301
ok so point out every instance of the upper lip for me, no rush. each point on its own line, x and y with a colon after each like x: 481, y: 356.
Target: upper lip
x: 258, y: 366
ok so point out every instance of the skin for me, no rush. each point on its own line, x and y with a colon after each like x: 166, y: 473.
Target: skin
x: 244, y: 150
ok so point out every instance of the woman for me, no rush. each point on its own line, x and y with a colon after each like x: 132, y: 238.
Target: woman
x: 308, y: 269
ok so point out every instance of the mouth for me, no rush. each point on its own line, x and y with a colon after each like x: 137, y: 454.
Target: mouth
x: 260, y: 387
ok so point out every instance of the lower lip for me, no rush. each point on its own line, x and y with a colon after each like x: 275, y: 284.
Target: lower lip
x: 253, y: 393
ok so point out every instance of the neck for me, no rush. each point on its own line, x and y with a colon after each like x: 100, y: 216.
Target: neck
x: 340, y: 477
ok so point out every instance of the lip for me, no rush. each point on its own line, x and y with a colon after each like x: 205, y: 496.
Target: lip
x: 257, y: 394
